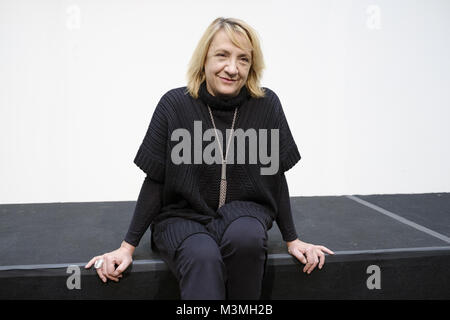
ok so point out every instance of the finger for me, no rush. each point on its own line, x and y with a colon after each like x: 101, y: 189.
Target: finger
x: 108, y: 268
x: 300, y: 257
x: 121, y: 268
x: 310, y: 260
x: 100, y: 274
x: 315, y: 261
x: 104, y: 266
x: 111, y: 268
x: 92, y: 261
x: 326, y: 249
x: 322, y: 259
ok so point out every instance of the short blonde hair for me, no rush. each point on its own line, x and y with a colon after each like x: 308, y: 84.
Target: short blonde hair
x: 196, y: 71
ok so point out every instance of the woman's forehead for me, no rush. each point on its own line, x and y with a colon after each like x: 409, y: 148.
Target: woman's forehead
x: 221, y: 40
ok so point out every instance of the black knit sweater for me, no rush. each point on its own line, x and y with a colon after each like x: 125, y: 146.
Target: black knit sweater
x: 192, y: 190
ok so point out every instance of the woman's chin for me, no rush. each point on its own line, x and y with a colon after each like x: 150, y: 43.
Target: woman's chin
x: 227, y: 93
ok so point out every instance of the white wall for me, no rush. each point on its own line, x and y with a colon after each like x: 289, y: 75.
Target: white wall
x: 365, y: 86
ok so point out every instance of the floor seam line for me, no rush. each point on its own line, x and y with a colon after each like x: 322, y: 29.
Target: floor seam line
x: 400, y: 219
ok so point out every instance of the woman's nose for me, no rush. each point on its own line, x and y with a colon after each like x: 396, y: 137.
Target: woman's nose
x: 231, y: 68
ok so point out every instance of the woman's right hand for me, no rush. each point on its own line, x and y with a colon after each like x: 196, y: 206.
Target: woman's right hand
x: 122, y: 257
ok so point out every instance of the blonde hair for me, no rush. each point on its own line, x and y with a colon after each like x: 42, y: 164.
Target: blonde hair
x: 196, y: 71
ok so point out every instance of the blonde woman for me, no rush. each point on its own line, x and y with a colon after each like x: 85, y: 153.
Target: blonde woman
x: 209, y: 219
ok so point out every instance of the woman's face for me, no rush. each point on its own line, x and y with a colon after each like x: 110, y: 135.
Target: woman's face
x: 227, y: 66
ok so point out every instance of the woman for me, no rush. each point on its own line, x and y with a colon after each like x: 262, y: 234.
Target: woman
x: 209, y: 221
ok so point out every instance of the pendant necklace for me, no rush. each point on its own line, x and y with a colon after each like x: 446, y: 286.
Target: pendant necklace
x: 223, y: 179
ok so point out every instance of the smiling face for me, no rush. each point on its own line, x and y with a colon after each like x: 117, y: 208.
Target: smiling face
x: 227, y: 66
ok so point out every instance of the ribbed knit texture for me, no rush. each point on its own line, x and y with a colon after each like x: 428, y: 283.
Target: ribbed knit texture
x: 191, y: 191
x: 221, y: 103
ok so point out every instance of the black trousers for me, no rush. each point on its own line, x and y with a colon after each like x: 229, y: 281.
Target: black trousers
x: 218, y: 264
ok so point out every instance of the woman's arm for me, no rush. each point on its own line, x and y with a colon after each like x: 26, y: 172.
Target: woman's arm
x: 284, y: 217
x: 147, y: 207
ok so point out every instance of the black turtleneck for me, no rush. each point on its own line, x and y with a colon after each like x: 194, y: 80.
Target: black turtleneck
x: 222, y: 103
x: 149, y: 202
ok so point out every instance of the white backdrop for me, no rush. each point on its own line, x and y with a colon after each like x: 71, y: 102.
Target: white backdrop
x: 364, y: 84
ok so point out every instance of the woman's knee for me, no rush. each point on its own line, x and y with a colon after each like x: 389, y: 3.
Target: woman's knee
x: 246, y: 234
x: 199, y: 248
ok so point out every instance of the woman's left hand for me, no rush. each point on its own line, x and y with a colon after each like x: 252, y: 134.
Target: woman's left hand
x: 308, y: 254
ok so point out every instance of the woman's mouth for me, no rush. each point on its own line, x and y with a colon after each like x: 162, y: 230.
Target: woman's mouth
x: 226, y: 80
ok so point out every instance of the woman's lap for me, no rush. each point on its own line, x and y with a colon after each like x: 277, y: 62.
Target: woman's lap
x: 170, y: 233
x: 209, y: 268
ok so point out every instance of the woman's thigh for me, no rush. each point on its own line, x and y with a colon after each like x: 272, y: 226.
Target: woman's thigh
x: 168, y: 236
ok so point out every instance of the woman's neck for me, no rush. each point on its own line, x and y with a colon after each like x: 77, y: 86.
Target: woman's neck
x: 223, y: 103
